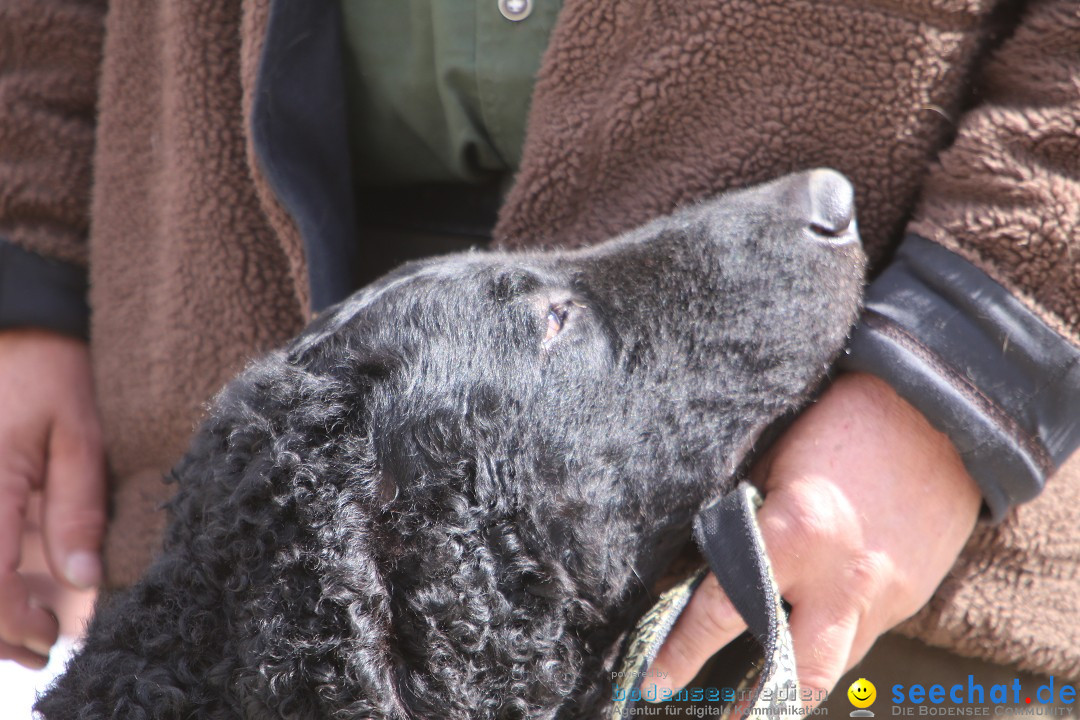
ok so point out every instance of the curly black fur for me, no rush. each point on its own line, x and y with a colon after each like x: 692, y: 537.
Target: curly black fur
x: 421, y: 508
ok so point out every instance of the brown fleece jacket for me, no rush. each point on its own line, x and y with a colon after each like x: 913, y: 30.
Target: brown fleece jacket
x: 641, y: 105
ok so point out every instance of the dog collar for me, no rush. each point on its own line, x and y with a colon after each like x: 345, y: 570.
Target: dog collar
x: 727, y: 532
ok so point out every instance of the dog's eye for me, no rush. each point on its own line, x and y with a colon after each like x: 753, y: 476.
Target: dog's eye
x: 559, y: 315
x: 556, y: 318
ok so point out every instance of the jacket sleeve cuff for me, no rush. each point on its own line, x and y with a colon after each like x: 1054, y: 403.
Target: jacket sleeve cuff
x: 38, y: 292
x: 982, y: 368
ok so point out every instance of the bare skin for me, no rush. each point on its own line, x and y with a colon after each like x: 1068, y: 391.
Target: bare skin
x: 50, y: 442
x: 866, y: 509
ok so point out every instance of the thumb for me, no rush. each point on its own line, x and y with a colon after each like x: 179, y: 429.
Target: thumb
x: 708, y: 623
x: 73, y: 514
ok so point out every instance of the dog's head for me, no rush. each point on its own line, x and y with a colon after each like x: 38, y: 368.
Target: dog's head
x: 450, y: 495
x: 541, y: 427
x: 596, y: 383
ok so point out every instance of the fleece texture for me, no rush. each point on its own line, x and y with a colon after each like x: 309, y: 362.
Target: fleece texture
x: 50, y: 53
x: 641, y: 106
x: 189, y: 278
x: 1005, y: 194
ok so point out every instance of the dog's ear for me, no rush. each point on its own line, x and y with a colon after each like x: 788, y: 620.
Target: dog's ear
x: 267, y: 555
x: 273, y: 502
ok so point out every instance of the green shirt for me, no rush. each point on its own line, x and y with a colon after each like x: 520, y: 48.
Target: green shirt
x: 438, y: 91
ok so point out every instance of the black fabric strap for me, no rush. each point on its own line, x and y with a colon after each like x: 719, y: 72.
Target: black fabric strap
x: 729, y: 537
x: 42, y: 293
x: 983, y: 368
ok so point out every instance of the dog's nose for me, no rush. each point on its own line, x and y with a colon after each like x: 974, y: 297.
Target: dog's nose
x: 831, y: 202
x: 827, y: 201
x: 822, y: 199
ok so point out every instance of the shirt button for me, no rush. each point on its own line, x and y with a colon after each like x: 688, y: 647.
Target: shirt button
x: 515, y: 10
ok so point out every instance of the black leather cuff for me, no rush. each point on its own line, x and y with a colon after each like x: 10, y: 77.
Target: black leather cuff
x: 983, y: 368
x: 38, y: 292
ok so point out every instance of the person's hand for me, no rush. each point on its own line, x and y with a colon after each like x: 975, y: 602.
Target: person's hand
x: 50, y: 440
x: 866, y: 509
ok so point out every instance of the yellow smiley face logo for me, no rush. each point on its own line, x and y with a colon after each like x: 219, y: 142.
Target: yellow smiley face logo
x: 862, y: 693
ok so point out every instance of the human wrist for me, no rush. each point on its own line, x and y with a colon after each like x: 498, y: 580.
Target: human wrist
x: 45, y: 348
x: 871, y: 391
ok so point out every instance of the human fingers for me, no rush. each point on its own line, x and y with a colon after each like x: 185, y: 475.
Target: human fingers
x: 27, y: 658
x: 27, y: 631
x: 843, y: 591
x: 73, y: 511
x: 822, y: 638
x: 40, y: 373
x: 708, y: 623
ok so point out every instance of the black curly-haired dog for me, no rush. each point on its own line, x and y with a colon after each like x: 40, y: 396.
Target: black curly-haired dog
x: 450, y: 496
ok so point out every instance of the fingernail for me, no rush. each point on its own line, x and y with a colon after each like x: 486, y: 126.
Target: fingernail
x: 39, y: 647
x: 656, y: 691
x: 83, y: 569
